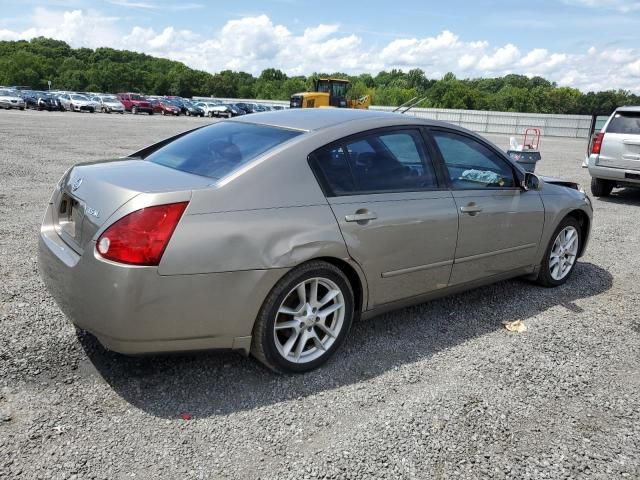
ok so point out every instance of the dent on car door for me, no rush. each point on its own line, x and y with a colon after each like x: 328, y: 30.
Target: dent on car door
x: 499, y: 223
x: 397, y: 224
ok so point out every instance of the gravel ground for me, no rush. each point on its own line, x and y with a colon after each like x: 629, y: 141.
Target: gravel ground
x: 440, y: 390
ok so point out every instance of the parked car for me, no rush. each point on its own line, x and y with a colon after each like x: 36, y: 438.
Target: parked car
x: 135, y: 103
x: 246, y: 107
x: 168, y: 108
x: 270, y: 235
x: 226, y: 110
x: 207, y: 107
x: 10, y: 99
x: 193, y: 110
x: 48, y: 101
x: 615, y: 153
x: 109, y: 104
x: 74, y: 102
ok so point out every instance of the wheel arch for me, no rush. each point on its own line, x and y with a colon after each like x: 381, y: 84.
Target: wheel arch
x: 585, y: 227
x: 356, y: 278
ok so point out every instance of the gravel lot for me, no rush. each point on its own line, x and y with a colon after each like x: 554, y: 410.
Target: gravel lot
x: 440, y: 390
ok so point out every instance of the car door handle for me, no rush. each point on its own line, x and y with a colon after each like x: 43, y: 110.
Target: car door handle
x: 360, y: 216
x: 471, y: 209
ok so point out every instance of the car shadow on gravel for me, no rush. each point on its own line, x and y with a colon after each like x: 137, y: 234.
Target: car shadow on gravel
x: 223, y: 382
x: 626, y: 196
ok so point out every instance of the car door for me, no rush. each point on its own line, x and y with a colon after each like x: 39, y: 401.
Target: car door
x: 500, y: 224
x: 397, y: 220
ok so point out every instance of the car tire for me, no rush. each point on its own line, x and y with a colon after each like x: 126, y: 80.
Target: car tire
x: 163, y: 113
x: 134, y: 110
x: 294, y: 349
x: 559, y: 263
x: 188, y: 114
x: 600, y: 187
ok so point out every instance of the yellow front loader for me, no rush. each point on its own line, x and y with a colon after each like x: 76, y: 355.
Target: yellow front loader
x: 329, y: 92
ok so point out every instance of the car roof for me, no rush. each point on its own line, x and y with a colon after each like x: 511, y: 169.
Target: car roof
x: 312, y: 119
x: 629, y: 108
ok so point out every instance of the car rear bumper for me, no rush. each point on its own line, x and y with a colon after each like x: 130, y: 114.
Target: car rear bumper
x: 135, y: 310
x: 619, y: 175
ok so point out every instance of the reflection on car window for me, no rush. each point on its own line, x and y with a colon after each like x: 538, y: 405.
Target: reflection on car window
x: 217, y: 150
x: 471, y: 165
x: 625, y: 122
x: 382, y: 162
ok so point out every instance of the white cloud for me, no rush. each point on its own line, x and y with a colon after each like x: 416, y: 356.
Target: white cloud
x: 503, y: 58
x: 254, y: 43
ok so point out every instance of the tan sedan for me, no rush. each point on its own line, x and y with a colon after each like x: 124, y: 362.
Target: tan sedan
x: 271, y: 233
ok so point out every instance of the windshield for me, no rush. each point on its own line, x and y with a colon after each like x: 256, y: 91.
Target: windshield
x: 219, y: 149
x: 79, y: 97
x: 7, y: 93
x: 109, y: 99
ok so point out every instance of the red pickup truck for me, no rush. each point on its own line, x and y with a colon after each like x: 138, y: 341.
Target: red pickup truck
x: 134, y: 103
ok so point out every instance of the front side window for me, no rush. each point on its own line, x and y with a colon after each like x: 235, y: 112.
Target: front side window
x: 381, y: 162
x: 217, y: 150
x: 471, y: 165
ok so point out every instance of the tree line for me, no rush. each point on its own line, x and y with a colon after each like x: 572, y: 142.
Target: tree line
x: 33, y: 63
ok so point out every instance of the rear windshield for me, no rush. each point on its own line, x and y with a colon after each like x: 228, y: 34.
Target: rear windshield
x: 217, y: 150
x: 625, y: 122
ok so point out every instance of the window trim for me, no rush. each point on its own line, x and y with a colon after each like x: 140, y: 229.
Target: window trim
x: 344, y: 141
x: 518, y: 176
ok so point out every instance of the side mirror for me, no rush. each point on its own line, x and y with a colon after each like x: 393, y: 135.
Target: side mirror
x: 530, y: 182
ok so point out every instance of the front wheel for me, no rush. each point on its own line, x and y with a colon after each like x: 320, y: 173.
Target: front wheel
x: 562, y: 254
x: 304, y: 319
x: 134, y: 110
x: 600, y: 187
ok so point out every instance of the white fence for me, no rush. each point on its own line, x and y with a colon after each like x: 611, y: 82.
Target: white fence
x: 509, y: 123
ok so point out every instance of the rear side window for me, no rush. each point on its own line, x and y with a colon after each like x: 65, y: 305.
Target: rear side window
x: 625, y: 122
x: 219, y: 149
x: 380, y: 162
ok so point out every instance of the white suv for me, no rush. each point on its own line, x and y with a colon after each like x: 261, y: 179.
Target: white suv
x: 615, y: 153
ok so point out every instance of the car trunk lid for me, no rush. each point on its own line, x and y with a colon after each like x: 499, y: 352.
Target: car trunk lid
x: 91, y: 193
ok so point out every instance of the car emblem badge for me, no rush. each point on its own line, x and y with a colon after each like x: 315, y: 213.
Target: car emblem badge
x: 76, y: 185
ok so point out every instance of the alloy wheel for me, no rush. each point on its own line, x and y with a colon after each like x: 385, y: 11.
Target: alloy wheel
x: 309, y: 320
x: 564, y: 252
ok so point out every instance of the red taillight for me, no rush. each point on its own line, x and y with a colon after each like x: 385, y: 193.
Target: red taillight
x: 596, y: 146
x: 141, y: 237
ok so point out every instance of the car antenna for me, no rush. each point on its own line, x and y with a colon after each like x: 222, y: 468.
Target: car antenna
x: 404, y: 104
x: 418, y: 102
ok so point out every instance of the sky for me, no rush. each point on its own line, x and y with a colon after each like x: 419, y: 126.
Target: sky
x: 587, y: 44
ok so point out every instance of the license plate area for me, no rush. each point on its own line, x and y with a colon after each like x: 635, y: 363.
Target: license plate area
x: 70, y: 217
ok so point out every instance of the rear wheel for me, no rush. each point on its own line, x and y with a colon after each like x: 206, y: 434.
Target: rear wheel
x: 562, y: 254
x: 304, y: 319
x: 600, y: 187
